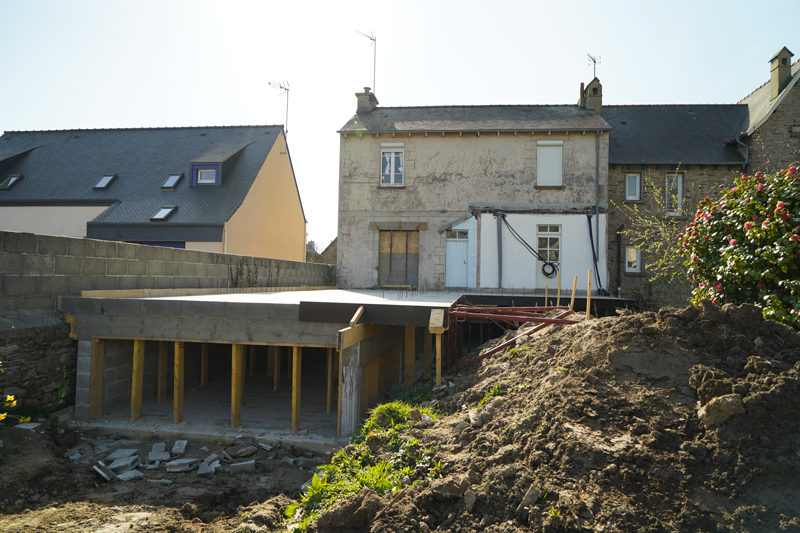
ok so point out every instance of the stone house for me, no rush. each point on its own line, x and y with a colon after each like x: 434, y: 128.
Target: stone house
x: 472, y: 196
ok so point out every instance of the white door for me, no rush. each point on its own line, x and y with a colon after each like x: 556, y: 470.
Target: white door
x: 456, y: 259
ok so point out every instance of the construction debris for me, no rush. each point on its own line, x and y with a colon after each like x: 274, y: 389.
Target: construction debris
x: 179, y: 448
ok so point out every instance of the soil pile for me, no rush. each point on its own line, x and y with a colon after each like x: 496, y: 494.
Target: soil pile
x: 684, y: 420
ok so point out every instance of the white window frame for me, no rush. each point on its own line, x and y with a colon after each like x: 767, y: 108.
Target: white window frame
x: 201, y: 171
x: 394, y: 149
x: 549, y: 163
x: 681, y: 179
x: 548, y: 233
x: 638, y: 268
x: 638, y: 194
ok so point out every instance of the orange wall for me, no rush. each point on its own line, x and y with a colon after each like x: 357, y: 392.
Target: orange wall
x: 270, y: 222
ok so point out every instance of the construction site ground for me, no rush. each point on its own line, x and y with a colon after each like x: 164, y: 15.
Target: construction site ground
x: 685, y: 420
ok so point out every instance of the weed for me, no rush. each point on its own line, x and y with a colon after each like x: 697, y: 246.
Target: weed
x: 497, y: 390
x: 522, y: 387
x: 415, y: 394
x: 555, y: 512
x: 513, y: 352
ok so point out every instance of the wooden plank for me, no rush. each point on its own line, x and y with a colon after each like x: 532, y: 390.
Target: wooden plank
x: 177, y: 395
x: 277, y: 376
x: 350, y: 336
x: 408, y: 367
x: 296, y: 368
x: 237, y: 384
x: 339, y: 414
x: 137, y: 380
x: 252, y: 360
x: 163, y: 368
x: 438, y: 359
x: 357, y: 316
x: 558, y: 298
x: 426, y: 355
x: 96, y: 368
x: 204, y: 365
x: 330, y: 378
x: 589, y: 296
x: 574, y: 286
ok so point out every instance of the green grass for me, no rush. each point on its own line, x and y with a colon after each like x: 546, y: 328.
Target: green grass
x: 415, y: 394
x: 497, y: 390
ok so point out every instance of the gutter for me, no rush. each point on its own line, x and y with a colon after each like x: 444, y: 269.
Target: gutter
x: 597, y: 191
x: 499, y: 251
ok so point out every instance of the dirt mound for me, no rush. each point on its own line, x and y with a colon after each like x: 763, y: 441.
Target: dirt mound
x: 681, y: 420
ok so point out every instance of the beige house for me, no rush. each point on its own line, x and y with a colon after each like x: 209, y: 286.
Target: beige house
x: 216, y: 189
x: 472, y: 196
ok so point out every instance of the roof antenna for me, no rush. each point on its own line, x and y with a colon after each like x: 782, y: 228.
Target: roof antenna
x: 595, y: 61
x: 283, y: 87
x: 374, y: 40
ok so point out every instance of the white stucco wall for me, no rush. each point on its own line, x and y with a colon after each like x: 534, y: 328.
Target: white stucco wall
x: 69, y: 221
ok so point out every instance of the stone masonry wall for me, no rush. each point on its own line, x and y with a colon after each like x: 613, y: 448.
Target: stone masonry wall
x: 774, y: 146
x: 700, y: 181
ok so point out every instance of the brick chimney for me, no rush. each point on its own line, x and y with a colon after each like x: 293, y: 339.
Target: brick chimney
x: 592, y: 98
x: 366, y: 101
x: 780, y: 67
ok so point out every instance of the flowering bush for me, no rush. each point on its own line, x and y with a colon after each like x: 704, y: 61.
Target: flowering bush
x: 745, y: 247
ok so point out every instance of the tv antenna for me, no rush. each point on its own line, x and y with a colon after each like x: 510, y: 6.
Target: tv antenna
x: 595, y: 61
x: 374, y: 43
x: 283, y: 87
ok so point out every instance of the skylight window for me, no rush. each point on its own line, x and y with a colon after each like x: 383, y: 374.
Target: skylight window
x: 164, y: 213
x: 172, y: 182
x: 105, y: 181
x: 10, y: 182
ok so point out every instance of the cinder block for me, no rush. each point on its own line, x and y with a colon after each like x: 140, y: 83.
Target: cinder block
x: 55, y: 284
x: 39, y: 302
x: 67, y: 265
x: 21, y: 243
x: 105, y: 249
x: 137, y: 268
x: 88, y: 306
x: 20, y: 285
x: 116, y: 267
x: 47, y: 244
x: 82, y: 395
x: 190, y: 256
x: 163, y: 282
x: 91, y: 266
x: 155, y: 268
x: 80, y: 247
x: 172, y: 268
x: 163, y: 253
x: 126, y: 251
x: 145, y: 282
x: 127, y: 282
x: 11, y: 263
x: 104, y: 283
x: 146, y: 253
x: 82, y: 411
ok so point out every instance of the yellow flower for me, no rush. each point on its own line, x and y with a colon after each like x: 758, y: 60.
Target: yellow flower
x: 9, y: 405
x: 25, y: 419
x: 2, y: 416
x: 9, y: 398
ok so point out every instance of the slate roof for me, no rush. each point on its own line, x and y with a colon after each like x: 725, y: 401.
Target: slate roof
x: 66, y: 165
x: 475, y: 118
x: 760, y: 103
x: 688, y: 134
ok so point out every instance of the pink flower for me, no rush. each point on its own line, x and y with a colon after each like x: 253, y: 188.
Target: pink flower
x: 779, y: 206
x: 792, y: 170
x: 733, y: 242
x: 702, y: 285
x: 785, y: 216
x: 748, y: 225
x: 706, y: 237
x: 765, y: 223
x: 733, y: 189
x: 747, y: 198
x: 713, y: 300
x: 694, y: 257
x: 758, y: 174
x: 760, y: 188
x: 794, y: 238
x: 761, y: 283
x: 755, y: 218
x: 759, y: 181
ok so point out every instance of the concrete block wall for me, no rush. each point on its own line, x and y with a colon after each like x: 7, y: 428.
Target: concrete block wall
x: 775, y: 146
x: 36, y: 269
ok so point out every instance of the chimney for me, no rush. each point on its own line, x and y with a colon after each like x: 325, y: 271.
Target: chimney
x: 781, y: 71
x: 581, y: 99
x: 593, y: 97
x: 366, y: 101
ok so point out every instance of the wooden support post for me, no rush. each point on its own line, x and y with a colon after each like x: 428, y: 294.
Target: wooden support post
x: 438, y: 359
x: 408, y: 367
x: 237, y: 384
x: 252, y: 360
x: 277, y: 354
x: 163, y: 367
x: 339, y: 413
x: 96, y: 379
x: 545, y: 294
x: 270, y: 361
x: 177, y: 394
x: 204, y: 365
x: 574, y: 286
x: 137, y: 380
x: 426, y: 354
x: 589, y: 296
x: 330, y: 378
x: 296, y: 367
x: 558, y: 298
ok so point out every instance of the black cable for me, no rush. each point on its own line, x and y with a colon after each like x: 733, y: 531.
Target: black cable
x: 600, y: 289
x: 549, y: 269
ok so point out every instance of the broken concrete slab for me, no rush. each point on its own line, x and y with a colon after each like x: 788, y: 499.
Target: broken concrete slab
x: 159, y: 447
x: 120, y: 454
x: 123, y: 465
x: 205, y: 470
x: 152, y: 457
x: 164, y: 481
x: 225, y: 458
x: 237, y: 468
x: 211, y: 458
x: 268, y: 448
x: 179, y: 448
x: 130, y: 475
x: 245, y: 451
x: 291, y: 461
x: 181, y: 465
x: 104, y: 471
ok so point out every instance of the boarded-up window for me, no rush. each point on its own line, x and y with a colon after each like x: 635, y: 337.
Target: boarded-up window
x: 398, y: 258
x: 548, y: 163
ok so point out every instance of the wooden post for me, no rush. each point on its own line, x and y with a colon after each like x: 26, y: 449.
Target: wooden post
x: 426, y: 354
x: 574, y: 286
x: 252, y: 360
x: 96, y: 379
x: 204, y: 365
x: 177, y: 395
x: 137, y: 380
x: 339, y: 414
x: 237, y: 384
x: 296, y: 367
x: 558, y: 298
x: 163, y: 366
x: 408, y: 368
x: 438, y: 359
x: 270, y: 361
x: 277, y: 353
x: 589, y: 296
x: 545, y: 294
x: 330, y: 378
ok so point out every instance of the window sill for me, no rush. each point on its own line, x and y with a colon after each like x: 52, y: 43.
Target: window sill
x: 634, y: 201
x: 549, y: 187
x: 636, y: 274
x: 390, y: 187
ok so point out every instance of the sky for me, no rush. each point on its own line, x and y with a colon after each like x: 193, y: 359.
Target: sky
x: 129, y: 64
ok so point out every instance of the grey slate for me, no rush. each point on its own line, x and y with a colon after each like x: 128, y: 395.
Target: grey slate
x: 475, y: 118
x: 686, y: 134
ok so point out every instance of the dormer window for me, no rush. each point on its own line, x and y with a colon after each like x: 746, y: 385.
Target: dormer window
x: 10, y: 182
x: 207, y: 175
x: 172, y: 182
x: 164, y: 213
x: 105, y: 181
